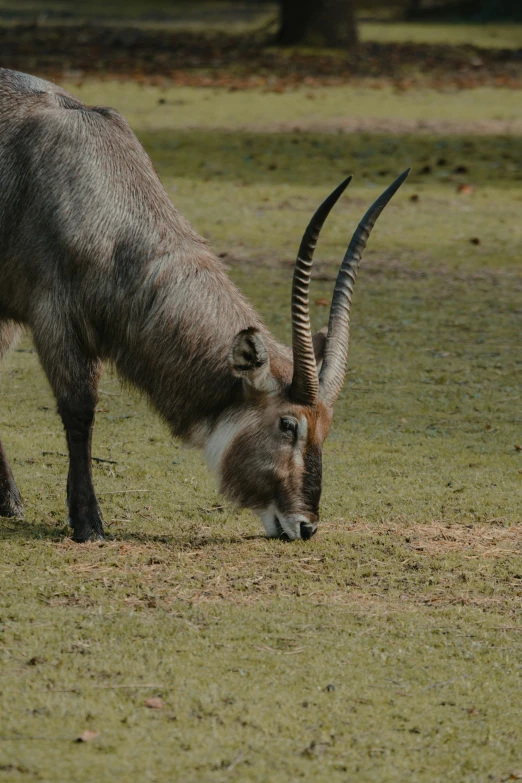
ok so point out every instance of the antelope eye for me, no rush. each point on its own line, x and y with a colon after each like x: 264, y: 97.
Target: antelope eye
x: 288, y: 426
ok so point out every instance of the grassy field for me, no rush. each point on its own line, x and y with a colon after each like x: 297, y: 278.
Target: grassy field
x: 496, y: 36
x: 379, y: 106
x: 387, y: 649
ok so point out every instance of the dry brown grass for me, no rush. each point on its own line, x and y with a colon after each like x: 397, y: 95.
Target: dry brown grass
x: 393, y: 564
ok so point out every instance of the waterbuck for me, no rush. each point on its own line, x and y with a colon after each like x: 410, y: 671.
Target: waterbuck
x: 98, y: 263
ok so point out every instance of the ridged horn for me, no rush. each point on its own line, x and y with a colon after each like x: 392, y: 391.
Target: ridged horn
x: 305, y: 383
x: 333, y: 370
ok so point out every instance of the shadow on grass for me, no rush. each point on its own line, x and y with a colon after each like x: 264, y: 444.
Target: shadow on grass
x: 11, y: 529
x: 321, y: 158
x: 185, y: 540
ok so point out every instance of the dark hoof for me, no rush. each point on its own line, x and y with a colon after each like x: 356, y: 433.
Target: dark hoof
x: 87, y: 529
x: 83, y: 538
x: 11, y: 507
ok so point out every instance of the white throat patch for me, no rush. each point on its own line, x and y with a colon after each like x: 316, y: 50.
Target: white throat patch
x: 222, y: 436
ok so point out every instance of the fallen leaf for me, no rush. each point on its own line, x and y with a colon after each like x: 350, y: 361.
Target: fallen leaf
x: 212, y: 509
x: 321, y: 302
x: 87, y: 736
x: 36, y: 660
x: 465, y: 190
x: 155, y: 703
x: 315, y: 749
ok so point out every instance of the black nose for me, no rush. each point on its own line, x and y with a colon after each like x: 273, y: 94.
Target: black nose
x: 307, y: 530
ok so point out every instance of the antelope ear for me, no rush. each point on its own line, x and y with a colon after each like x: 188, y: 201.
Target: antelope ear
x: 319, y: 343
x: 249, y: 360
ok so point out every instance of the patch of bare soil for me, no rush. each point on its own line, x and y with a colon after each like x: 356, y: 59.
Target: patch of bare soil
x: 485, y: 540
x: 243, y: 62
x: 408, y: 266
x: 392, y: 126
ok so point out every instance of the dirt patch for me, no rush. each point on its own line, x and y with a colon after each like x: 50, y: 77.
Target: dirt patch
x: 386, y: 126
x: 489, y: 539
x: 407, y: 266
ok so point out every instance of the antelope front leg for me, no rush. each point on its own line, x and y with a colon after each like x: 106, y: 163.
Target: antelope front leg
x: 84, y: 514
x: 74, y: 379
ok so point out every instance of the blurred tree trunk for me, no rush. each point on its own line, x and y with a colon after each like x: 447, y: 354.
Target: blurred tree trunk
x: 414, y: 7
x: 318, y: 23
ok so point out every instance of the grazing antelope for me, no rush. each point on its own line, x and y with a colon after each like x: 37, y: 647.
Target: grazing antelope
x: 97, y: 262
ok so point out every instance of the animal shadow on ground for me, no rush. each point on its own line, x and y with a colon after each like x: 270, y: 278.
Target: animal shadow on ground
x: 14, y: 528
x: 193, y: 540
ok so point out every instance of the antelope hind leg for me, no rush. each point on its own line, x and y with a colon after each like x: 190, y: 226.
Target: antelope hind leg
x: 10, y: 500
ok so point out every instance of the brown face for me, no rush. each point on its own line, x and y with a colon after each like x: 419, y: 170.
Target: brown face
x: 278, y: 472
x: 268, y: 457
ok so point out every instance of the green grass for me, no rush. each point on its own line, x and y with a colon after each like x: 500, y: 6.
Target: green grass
x: 281, y: 696
x: 181, y: 108
x: 488, y: 36
x: 389, y: 647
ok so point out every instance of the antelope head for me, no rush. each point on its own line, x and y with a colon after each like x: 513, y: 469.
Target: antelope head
x: 267, y: 450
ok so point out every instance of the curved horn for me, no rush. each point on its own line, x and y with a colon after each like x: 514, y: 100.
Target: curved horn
x: 332, y: 374
x: 305, y: 384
